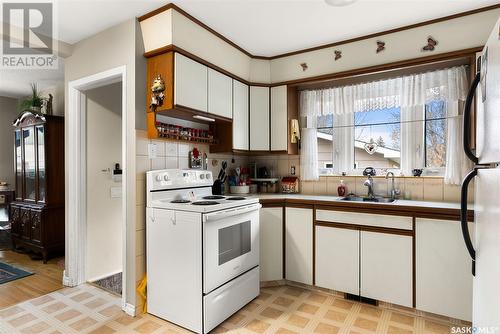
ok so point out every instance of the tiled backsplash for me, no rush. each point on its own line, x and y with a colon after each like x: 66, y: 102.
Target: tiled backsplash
x: 416, y: 188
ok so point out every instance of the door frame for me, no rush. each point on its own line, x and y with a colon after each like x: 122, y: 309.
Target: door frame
x: 76, y: 185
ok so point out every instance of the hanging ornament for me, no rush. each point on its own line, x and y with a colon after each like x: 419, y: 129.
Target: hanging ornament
x: 371, y: 148
x: 338, y: 54
x: 157, y: 93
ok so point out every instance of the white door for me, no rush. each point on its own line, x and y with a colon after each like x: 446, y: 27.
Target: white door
x: 220, y: 94
x: 271, y: 244
x: 191, y: 86
x: 486, y: 287
x: 444, y: 280
x: 259, y: 118
x: 240, y: 116
x: 386, y: 267
x: 299, y: 245
x: 279, y: 118
x: 337, y: 259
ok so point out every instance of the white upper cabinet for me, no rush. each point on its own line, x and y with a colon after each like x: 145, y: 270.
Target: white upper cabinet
x: 220, y: 94
x: 299, y: 245
x: 444, y: 278
x: 279, y: 118
x: 240, y: 116
x: 259, y: 118
x: 387, y: 267
x: 191, y: 83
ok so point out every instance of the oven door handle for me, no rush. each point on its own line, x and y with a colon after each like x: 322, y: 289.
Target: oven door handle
x: 229, y: 213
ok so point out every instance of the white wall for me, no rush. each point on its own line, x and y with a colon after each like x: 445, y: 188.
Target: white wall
x: 104, y: 213
x: 109, y: 49
x: 8, y: 112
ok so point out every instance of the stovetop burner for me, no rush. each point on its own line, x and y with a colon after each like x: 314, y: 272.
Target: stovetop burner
x: 206, y: 203
x: 181, y: 201
x: 235, y: 198
x: 213, y: 197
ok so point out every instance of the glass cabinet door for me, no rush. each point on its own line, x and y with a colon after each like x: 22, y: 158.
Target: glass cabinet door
x: 29, y: 163
x: 40, y: 140
x: 19, y: 163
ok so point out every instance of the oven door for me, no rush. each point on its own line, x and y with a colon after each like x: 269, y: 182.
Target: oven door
x: 230, y: 244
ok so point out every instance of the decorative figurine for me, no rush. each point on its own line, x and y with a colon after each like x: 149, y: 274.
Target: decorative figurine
x: 158, y: 95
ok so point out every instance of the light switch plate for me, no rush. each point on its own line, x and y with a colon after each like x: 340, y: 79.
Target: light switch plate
x: 116, y: 192
x: 152, y: 150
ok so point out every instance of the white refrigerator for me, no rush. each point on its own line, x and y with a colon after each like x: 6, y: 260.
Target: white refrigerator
x: 485, y: 248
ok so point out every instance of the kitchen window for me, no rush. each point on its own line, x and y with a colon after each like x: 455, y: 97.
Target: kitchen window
x: 398, y: 124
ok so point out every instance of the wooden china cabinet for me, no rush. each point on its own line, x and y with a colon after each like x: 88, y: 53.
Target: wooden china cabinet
x: 37, y: 212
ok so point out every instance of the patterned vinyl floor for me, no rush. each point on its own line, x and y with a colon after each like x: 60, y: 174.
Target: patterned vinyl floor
x: 283, y: 309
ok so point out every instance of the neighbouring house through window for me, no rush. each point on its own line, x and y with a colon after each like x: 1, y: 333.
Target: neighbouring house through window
x: 395, y: 124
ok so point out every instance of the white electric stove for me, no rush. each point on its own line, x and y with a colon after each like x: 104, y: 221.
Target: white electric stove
x: 202, y: 250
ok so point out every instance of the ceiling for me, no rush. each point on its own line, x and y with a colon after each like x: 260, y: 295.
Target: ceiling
x: 267, y: 27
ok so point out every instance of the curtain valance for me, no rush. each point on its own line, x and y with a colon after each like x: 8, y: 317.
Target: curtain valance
x: 406, y: 91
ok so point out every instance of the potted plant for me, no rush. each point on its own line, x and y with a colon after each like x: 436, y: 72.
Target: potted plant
x: 34, y: 102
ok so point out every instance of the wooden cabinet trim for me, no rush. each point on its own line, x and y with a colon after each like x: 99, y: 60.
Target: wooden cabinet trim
x: 366, y: 228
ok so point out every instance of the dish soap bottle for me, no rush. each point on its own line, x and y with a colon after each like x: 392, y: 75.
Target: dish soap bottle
x: 342, y: 189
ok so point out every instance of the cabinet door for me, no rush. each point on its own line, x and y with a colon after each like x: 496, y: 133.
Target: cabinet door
x: 19, y: 164
x: 444, y: 279
x: 191, y: 83
x: 25, y: 229
x: 259, y: 118
x: 337, y: 259
x: 271, y: 244
x: 15, y: 221
x: 298, y: 245
x: 386, y: 267
x: 42, y: 181
x: 279, y: 119
x: 220, y: 94
x: 29, y: 163
x: 36, y: 227
x: 240, y: 116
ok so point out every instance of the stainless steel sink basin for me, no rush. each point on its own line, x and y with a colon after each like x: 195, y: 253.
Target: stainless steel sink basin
x: 367, y: 199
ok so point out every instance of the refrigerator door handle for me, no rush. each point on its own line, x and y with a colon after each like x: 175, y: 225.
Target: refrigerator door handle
x: 467, y: 119
x: 464, y: 220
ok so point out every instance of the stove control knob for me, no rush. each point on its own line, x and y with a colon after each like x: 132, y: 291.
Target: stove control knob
x: 158, y: 178
x: 202, y: 176
x: 207, y: 176
x: 165, y: 177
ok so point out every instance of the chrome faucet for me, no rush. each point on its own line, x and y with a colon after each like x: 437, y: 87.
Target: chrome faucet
x: 369, y: 183
x: 394, y: 192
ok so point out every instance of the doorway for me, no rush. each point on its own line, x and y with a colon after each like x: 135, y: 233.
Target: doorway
x: 96, y: 211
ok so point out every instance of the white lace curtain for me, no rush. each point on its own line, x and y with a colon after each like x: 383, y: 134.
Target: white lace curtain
x: 410, y: 93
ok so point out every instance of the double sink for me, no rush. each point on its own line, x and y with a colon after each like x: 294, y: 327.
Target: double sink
x: 368, y: 199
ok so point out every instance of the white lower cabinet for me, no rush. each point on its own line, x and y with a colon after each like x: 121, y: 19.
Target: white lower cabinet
x: 337, y: 259
x: 271, y: 244
x: 386, y: 267
x: 444, y: 279
x: 299, y: 245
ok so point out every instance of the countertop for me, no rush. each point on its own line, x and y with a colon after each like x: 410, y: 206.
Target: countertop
x: 418, y: 208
